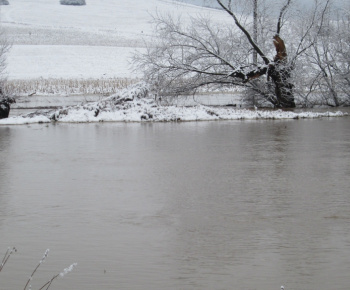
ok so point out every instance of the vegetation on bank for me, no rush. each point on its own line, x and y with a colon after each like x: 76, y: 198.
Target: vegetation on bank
x: 61, y: 86
x: 11, y: 251
x: 281, y: 55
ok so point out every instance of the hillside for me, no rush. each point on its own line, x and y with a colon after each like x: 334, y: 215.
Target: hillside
x: 93, y: 41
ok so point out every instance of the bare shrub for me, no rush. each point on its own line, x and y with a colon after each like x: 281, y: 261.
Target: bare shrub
x: 4, y: 49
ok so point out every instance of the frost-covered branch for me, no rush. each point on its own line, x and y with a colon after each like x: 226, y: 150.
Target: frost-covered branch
x: 280, y: 18
x: 330, y: 58
x: 47, y: 285
x: 187, y: 55
x: 7, y: 256
x: 315, y: 20
x: 245, y: 31
x: 185, y: 58
x: 62, y: 274
x: 36, y: 268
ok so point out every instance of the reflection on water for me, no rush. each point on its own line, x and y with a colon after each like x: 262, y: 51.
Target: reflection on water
x: 5, y: 140
x: 207, y: 205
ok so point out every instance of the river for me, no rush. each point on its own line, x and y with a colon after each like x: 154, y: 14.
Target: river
x: 199, y: 205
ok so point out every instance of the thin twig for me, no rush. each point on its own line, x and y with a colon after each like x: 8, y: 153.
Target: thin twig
x: 40, y: 262
x: 48, y: 284
x: 7, y: 257
x: 279, y: 23
x: 247, y: 34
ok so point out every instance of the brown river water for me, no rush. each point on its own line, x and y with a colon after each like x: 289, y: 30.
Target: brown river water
x: 200, y: 205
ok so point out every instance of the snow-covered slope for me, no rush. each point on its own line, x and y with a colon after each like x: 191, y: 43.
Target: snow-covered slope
x: 96, y: 40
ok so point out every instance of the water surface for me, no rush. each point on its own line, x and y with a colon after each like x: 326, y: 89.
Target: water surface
x: 202, y: 205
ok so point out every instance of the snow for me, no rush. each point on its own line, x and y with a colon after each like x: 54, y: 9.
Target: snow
x: 136, y: 105
x: 19, y: 120
x: 60, y: 61
x: 59, y: 41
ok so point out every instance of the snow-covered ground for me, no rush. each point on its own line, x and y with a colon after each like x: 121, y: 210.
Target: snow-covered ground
x: 135, y: 105
x: 64, y: 61
x: 92, y: 41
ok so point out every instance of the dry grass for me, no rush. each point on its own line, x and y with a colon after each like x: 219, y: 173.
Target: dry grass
x: 67, y: 86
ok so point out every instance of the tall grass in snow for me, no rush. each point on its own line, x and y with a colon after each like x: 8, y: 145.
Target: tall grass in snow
x: 52, y: 86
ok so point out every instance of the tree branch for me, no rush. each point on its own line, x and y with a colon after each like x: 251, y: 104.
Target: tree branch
x: 279, y: 23
x: 247, y: 34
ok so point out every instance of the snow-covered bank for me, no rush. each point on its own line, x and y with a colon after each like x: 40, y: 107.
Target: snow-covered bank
x: 135, y: 105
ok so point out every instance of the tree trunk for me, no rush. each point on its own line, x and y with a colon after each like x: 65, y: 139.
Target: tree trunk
x: 5, y: 106
x: 255, y: 29
x: 4, y: 110
x: 279, y: 72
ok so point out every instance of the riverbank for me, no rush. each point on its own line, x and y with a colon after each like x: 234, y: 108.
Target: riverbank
x: 135, y: 104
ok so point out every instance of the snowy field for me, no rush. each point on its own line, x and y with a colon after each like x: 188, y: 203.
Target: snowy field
x: 92, y: 41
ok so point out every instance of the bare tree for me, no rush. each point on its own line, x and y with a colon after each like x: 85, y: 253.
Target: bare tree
x: 205, y: 53
x: 5, y: 99
x: 330, y: 58
x: 4, y: 49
